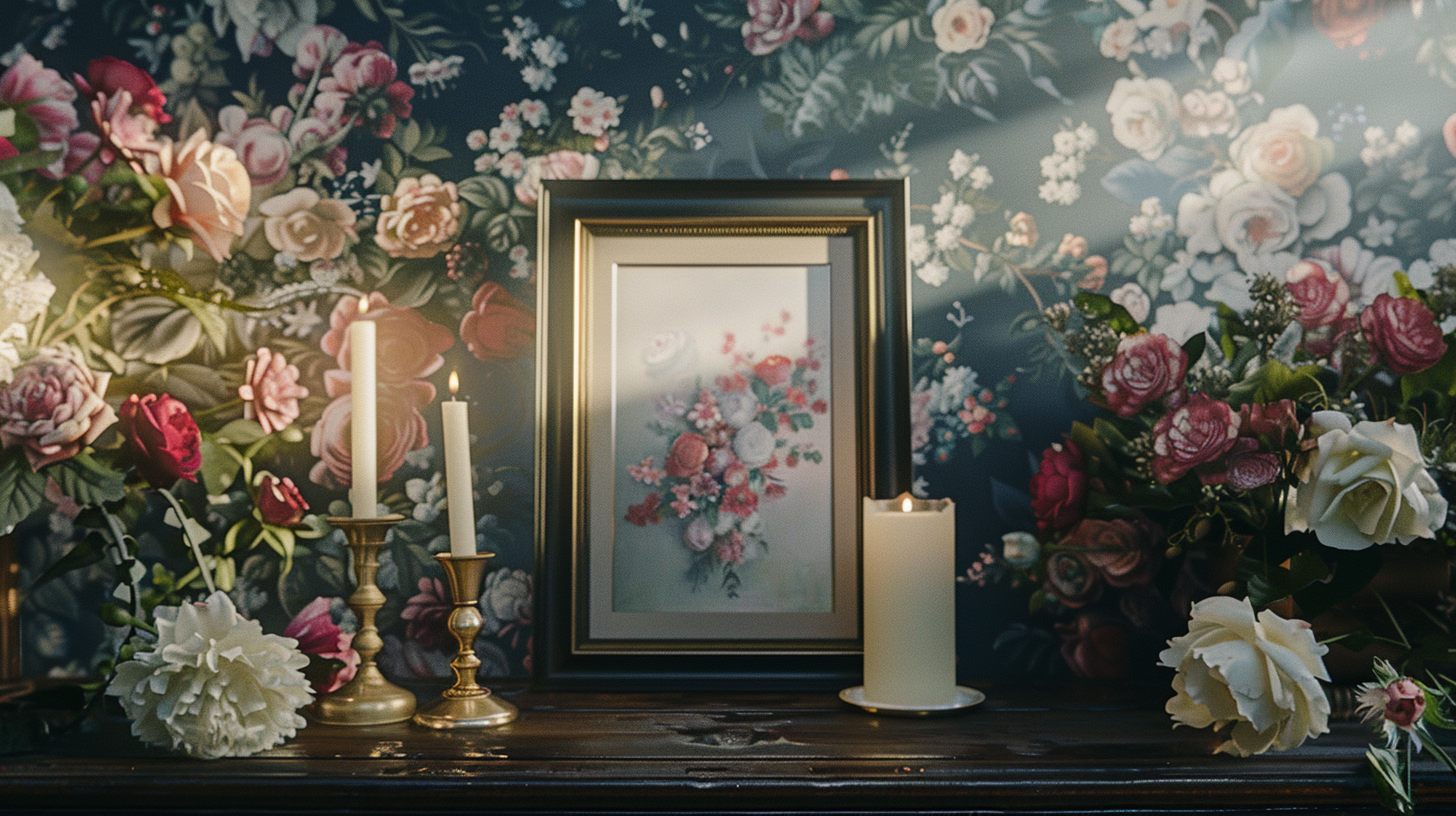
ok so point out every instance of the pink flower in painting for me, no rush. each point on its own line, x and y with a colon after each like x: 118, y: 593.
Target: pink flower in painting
x: 772, y: 24
x: 1145, y: 367
x: 1320, y: 292
x: 560, y: 164
x: 279, y: 502
x: 498, y: 326
x: 110, y: 76
x: 401, y: 429
x: 1059, y: 487
x: 53, y: 406
x: 425, y: 614
x: 739, y: 500
x: 319, y: 636
x: 1403, y: 332
x: 162, y: 438
x: 1198, y: 432
x: 698, y: 535
x: 729, y: 548
x: 645, y: 513
x: 48, y: 100
x: 209, y: 192
x: 261, y: 146
x: 420, y: 219
x: 317, y: 50
x: 688, y: 455
x: 127, y: 132
x: 409, y: 346
x: 270, y: 390
x: 774, y: 370
x: 365, y: 75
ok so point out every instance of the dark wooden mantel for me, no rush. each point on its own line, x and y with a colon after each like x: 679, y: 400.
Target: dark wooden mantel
x: 1024, y: 751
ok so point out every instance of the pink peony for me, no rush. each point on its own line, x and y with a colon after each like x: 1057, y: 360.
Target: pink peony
x: 44, y: 96
x: 1199, y: 431
x: 498, y: 327
x: 408, y: 346
x: 270, y: 391
x: 162, y: 437
x: 401, y: 429
x: 209, y: 192
x: 365, y: 75
x: 317, y: 50
x: 279, y: 502
x: 426, y: 613
x: 1403, y: 332
x: 319, y: 636
x: 772, y: 24
x: 1059, y: 487
x: 1145, y: 367
x: 53, y: 406
x: 126, y: 131
x: 260, y: 145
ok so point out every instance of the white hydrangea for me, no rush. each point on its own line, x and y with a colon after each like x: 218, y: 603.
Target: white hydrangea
x: 215, y: 684
x: 25, y: 294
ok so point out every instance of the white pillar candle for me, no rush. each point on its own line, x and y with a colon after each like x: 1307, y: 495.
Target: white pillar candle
x: 364, y: 421
x: 458, y: 499
x: 909, y: 602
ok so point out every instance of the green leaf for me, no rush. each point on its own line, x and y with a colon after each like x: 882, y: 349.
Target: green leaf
x: 240, y: 432
x: 811, y: 92
x: 1103, y: 308
x: 89, y: 550
x: 220, y: 466
x: 1385, y: 772
x: 22, y: 490
x: 1350, y: 571
x: 1440, y: 378
x: 86, y: 480
x: 1274, y: 381
x: 1194, y: 348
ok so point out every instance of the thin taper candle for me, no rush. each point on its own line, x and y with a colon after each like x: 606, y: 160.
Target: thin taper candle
x: 364, y: 422
x: 458, y: 498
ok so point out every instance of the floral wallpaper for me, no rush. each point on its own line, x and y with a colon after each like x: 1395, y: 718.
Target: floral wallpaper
x: 200, y: 197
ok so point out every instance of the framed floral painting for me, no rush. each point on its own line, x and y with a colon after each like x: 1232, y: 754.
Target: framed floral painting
x: 723, y: 373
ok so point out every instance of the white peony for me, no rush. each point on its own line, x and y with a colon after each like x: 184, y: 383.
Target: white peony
x: 738, y: 408
x: 214, y: 685
x: 1366, y: 484
x: 1259, y: 674
x: 754, y: 445
x: 1144, y: 114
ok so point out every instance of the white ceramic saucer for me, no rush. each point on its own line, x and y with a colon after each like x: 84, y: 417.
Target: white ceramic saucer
x: 964, y: 698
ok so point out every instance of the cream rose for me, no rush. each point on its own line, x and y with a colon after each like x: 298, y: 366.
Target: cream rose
x: 961, y: 26
x: 306, y: 226
x: 210, y: 191
x: 1284, y: 149
x: 1366, y: 484
x: 421, y: 218
x: 1259, y: 674
x: 1144, y: 114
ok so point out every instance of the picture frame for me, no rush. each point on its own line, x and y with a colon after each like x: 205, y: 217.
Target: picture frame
x: 722, y: 375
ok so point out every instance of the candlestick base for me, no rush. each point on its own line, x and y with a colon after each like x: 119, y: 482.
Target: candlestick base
x: 466, y: 704
x: 369, y: 698
x: 965, y: 698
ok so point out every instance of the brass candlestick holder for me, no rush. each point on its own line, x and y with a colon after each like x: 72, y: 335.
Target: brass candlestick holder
x: 368, y: 699
x: 466, y: 704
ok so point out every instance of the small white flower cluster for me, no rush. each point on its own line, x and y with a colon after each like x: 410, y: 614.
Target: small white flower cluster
x: 436, y: 75
x: 593, y: 113
x: 1068, y: 160
x: 1157, y: 29
x: 698, y: 135
x: 950, y: 215
x: 969, y: 168
x: 505, y: 138
x: 1380, y: 146
x: 522, y: 266
x: 541, y: 55
x: 24, y: 292
x: 1151, y: 221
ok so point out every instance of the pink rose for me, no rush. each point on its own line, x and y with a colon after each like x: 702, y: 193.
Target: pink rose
x: 561, y: 164
x: 317, y: 50
x: 1145, y: 367
x: 1096, y: 647
x: 1071, y: 580
x: 128, y: 131
x: 401, y: 429
x: 1199, y: 431
x: 270, y: 391
x: 319, y: 636
x: 1405, y: 703
x: 209, y: 192
x: 1122, y: 550
x: 1320, y: 292
x: 162, y: 437
x: 687, y: 456
x: 729, y: 548
x: 1347, y: 22
x: 263, y: 148
x: 772, y: 24
x: 53, y: 406
x: 306, y: 226
x: 420, y: 219
x: 498, y: 327
x: 1247, y: 470
x: 1059, y: 487
x: 774, y: 370
x: 1403, y: 332
x: 41, y: 94
x: 408, y: 346
x: 279, y: 502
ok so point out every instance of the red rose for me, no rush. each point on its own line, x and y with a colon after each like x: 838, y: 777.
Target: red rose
x: 407, y: 345
x: 1071, y: 580
x: 688, y: 455
x: 107, y: 75
x: 1347, y: 22
x: 1059, y: 488
x: 1320, y: 292
x: 1146, y: 367
x: 1199, y: 431
x: 1096, y: 647
x: 279, y: 502
x: 774, y: 369
x: 498, y: 327
x: 1403, y: 332
x: 1121, y: 550
x: 162, y: 436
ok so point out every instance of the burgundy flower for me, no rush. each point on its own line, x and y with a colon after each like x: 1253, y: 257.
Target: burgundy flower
x: 645, y: 513
x: 1059, y: 488
x: 108, y: 75
x: 270, y: 391
x: 408, y: 345
x: 365, y: 74
x: 774, y: 370
x: 53, y: 406
x: 425, y: 615
x: 1096, y: 647
x: 1270, y: 422
x: 687, y: 456
x: 1320, y: 292
x: 1403, y: 332
x: 1145, y: 367
x: 41, y: 94
x: 772, y: 24
x: 319, y: 636
x: 1071, y: 580
x: 162, y: 437
x: 1247, y: 470
x: 279, y: 502
x: 498, y: 327
x: 1199, y: 431
x: 1121, y: 550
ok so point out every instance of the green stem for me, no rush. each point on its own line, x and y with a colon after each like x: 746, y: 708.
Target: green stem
x: 95, y: 312
x: 186, y: 536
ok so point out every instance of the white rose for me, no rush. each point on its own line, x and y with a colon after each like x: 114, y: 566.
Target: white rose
x: 1366, y: 484
x: 1260, y: 674
x: 754, y: 445
x: 669, y: 352
x: 1144, y: 114
x: 738, y: 408
x: 1284, y: 149
x: 505, y: 599
x: 961, y: 26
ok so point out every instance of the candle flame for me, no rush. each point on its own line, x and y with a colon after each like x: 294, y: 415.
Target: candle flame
x: 363, y: 304
x: 906, y: 505
x: 454, y: 384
